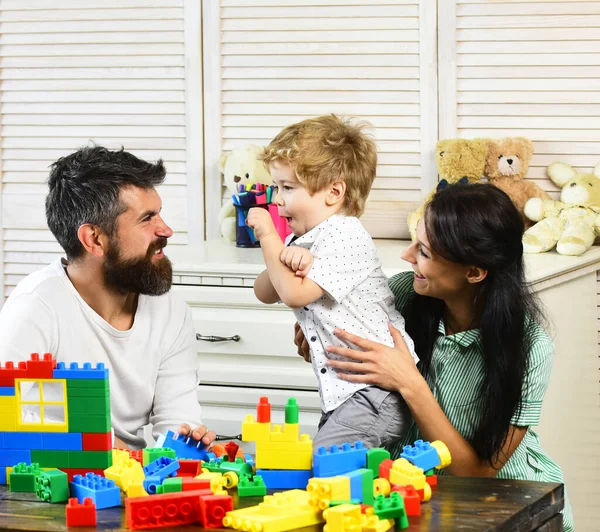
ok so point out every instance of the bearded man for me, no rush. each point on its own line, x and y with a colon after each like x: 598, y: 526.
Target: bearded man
x: 108, y: 301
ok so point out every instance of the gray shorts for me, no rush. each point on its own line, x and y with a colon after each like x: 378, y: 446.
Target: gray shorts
x: 372, y: 415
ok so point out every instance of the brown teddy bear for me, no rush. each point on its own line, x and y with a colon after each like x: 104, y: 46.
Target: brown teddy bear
x: 458, y: 161
x: 507, y: 163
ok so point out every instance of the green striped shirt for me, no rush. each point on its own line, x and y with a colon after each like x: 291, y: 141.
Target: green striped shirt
x: 455, y: 378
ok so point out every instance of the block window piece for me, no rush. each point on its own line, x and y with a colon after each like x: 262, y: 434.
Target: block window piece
x: 41, y: 405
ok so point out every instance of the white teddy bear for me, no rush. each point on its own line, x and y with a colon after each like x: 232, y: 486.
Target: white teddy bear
x: 240, y: 167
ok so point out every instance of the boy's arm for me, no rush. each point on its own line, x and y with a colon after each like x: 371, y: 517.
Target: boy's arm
x: 263, y: 289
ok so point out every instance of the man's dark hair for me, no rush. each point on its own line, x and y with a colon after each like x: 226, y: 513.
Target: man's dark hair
x: 84, y: 188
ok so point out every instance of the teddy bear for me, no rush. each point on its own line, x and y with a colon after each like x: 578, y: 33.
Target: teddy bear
x: 506, y: 166
x: 458, y: 161
x: 570, y: 224
x: 239, y: 167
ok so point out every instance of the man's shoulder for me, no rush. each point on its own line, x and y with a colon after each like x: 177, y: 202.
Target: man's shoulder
x: 43, y: 285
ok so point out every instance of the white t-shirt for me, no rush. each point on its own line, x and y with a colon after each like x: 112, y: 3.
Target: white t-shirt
x: 357, y: 299
x: 153, y: 367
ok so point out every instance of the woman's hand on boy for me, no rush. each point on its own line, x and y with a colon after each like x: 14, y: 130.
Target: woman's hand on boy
x: 298, y: 259
x: 260, y: 221
x: 301, y: 343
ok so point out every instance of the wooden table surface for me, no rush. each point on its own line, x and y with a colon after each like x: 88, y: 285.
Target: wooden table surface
x: 465, y: 504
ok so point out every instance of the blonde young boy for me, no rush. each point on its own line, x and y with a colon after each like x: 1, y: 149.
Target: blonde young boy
x: 328, y: 271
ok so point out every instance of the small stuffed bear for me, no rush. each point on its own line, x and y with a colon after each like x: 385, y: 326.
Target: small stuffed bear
x: 240, y: 167
x: 458, y: 161
x: 507, y: 164
x: 571, y: 223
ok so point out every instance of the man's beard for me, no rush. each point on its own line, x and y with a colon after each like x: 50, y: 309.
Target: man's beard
x: 140, y: 275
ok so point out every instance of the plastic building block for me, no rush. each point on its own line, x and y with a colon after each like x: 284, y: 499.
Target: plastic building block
x: 73, y: 371
x: 80, y: 514
x: 285, y: 479
x: 217, y: 481
x: 104, y: 492
x: 349, y: 501
x: 7, y: 391
x: 385, y: 468
x: 119, y: 456
x: 72, y: 471
x: 431, y: 480
x: 192, y: 484
x: 170, y: 485
x: 213, y: 509
x: 290, y: 432
x: 96, y: 441
x: 285, y: 455
x: 23, y: 440
x: 252, y: 487
x: 90, y: 459
x: 125, y: 473
x: 52, y: 486
x: 381, y: 486
x: 412, y: 501
x: 40, y: 368
x: 168, y: 509
x: 361, y: 485
x: 291, y: 411
x: 342, y: 518
x: 183, y: 446
x: 249, y: 460
x: 279, y: 512
x: 162, y: 467
x: 369, y: 522
x: 22, y: 477
x: 189, y: 468
x: 89, y: 423
x: 137, y: 455
x: 231, y: 449
x: 421, y: 454
x: 323, y: 490
x: 241, y: 468
x: 61, y: 441
x: 153, y: 453
x: 336, y: 460
x: 137, y: 490
x: 10, y: 372
x: 151, y: 484
x: 391, y: 507
x: 10, y: 457
x: 254, y: 431
x: 443, y: 453
x: 263, y: 410
x: 375, y: 457
x: 403, y: 473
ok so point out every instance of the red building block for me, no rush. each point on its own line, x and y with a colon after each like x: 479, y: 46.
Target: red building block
x: 81, y: 514
x: 431, y: 480
x: 167, y: 509
x: 263, y: 410
x: 96, y: 442
x: 72, y: 471
x: 191, y: 484
x: 231, y: 449
x: 214, y: 508
x: 189, y: 468
x: 9, y: 373
x: 412, y: 501
x: 40, y: 369
x: 385, y: 467
x: 137, y: 455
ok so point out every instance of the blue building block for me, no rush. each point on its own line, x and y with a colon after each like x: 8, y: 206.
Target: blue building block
x: 74, y: 372
x: 151, y: 483
x: 104, y: 492
x: 361, y: 485
x: 7, y: 391
x: 421, y: 454
x: 11, y: 457
x: 62, y: 441
x: 162, y: 467
x: 249, y: 460
x: 183, y: 446
x: 285, y: 479
x: 2, y: 440
x: 23, y: 440
x: 338, y: 461
x: 3, y: 475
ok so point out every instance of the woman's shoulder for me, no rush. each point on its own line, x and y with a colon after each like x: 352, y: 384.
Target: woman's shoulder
x: 402, y: 286
x: 541, y: 347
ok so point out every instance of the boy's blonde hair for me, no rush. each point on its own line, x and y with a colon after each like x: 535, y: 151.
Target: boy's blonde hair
x: 327, y: 149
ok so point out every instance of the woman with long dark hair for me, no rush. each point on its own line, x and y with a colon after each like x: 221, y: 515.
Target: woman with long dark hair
x: 478, y: 330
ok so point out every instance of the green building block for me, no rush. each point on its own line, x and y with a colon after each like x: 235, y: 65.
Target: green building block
x: 52, y: 486
x: 154, y: 453
x: 367, y: 486
x: 95, y: 406
x: 22, y: 477
x: 87, y: 423
x: 291, y: 411
x: 391, y: 508
x: 430, y: 472
x: 340, y: 502
x: 170, y: 485
x: 51, y: 458
x: 251, y: 487
x: 374, y: 458
x: 239, y: 467
x: 90, y: 459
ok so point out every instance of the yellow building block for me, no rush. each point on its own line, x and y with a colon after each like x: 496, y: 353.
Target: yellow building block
x: 323, y: 490
x: 119, y: 456
x: 381, y: 486
x: 369, y: 522
x: 443, y: 453
x: 279, y: 512
x: 290, y: 432
x: 404, y: 473
x: 342, y: 518
x: 8, y: 422
x: 125, y: 473
x: 40, y: 405
x: 8, y: 404
x: 217, y: 481
x: 253, y: 431
x: 284, y: 455
x: 136, y: 489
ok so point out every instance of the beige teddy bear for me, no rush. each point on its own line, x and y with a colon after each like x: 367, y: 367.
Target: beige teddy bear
x: 240, y: 167
x: 506, y: 167
x: 571, y: 223
x: 458, y: 161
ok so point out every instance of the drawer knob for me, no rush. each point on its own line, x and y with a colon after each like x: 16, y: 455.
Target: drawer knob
x: 234, y: 338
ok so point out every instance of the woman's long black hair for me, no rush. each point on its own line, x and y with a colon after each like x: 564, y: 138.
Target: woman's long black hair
x: 478, y: 225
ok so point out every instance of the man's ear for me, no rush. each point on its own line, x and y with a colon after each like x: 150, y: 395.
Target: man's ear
x: 93, y: 239
x: 475, y: 274
x: 337, y: 191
